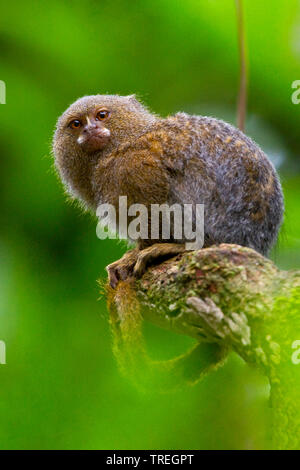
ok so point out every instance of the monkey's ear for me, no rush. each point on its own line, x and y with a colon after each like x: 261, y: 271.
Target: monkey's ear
x: 132, y: 98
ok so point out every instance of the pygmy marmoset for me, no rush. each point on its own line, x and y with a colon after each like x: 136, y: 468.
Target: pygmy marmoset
x: 106, y: 146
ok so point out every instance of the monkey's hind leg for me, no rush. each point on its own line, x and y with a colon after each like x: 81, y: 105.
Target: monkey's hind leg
x: 123, y: 268
x: 155, y: 253
x: 135, y: 262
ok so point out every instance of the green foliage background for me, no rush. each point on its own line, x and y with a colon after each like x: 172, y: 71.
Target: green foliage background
x: 60, y: 387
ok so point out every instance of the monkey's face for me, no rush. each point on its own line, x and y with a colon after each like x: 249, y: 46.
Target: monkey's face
x: 94, y: 121
x: 89, y: 129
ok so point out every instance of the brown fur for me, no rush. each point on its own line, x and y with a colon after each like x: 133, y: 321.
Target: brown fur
x: 181, y: 159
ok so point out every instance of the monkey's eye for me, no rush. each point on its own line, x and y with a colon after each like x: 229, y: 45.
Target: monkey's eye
x: 102, y: 115
x: 75, y: 124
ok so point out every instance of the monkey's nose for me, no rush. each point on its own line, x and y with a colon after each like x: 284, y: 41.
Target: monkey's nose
x: 94, y: 138
x: 89, y: 128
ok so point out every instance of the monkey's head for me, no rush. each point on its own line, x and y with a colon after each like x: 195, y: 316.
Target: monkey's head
x: 90, y: 129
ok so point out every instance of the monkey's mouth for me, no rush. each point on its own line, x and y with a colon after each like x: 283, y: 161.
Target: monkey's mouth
x: 95, y: 141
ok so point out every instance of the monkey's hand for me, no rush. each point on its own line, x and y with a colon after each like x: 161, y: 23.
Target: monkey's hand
x: 135, y: 262
x: 154, y: 254
x: 123, y: 268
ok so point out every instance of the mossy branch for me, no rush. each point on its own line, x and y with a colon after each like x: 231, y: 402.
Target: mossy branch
x: 227, y: 297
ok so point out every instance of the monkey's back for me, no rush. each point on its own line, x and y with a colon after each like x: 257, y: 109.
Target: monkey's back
x: 198, y: 160
x: 234, y: 179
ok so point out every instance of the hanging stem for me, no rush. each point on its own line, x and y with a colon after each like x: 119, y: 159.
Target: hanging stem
x: 242, y: 97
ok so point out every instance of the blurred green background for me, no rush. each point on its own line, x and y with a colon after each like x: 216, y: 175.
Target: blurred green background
x: 60, y: 387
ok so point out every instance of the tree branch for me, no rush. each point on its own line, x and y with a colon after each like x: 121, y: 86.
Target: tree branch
x: 227, y: 297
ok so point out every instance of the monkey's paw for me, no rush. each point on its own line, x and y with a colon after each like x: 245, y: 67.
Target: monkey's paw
x: 155, y: 254
x: 122, y: 269
x: 135, y: 262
